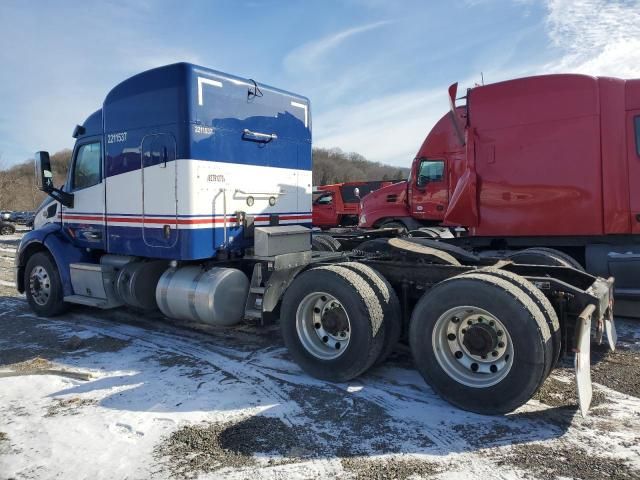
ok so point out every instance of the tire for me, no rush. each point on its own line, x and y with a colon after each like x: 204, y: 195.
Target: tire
x: 562, y: 255
x: 324, y: 243
x: 550, y: 315
x: 390, y: 306
x: 7, y: 230
x: 43, y: 268
x: 365, y: 317
x: 525, y: 336
x: 534, y: 256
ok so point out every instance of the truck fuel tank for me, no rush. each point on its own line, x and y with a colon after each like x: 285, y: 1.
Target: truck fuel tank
x: 216, y: 296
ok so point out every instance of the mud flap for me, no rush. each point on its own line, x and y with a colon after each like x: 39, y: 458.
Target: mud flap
x: 583, y: 359
x: 612, y: 334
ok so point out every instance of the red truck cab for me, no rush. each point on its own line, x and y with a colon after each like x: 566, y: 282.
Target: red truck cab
x: 546, y: 161
x: 338, y: 204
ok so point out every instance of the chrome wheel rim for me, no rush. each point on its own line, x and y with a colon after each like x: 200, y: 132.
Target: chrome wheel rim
x: 39, y: 285
x: 472, y: 346
x: 323, y: 326
x: 6, y: 231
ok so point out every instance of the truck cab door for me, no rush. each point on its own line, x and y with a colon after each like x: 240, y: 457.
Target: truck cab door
x: 429, y: 190
x: 85, y: 221
x: 324, y: 211
x: 633, y: 156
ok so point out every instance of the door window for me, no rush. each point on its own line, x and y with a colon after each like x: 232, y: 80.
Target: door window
x: 87, y: 167
x: 430, y: 171
x: 325, y: 200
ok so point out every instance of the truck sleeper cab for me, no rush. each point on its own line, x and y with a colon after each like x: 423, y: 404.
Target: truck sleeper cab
x: 549, y: 161
x: 190, y: 192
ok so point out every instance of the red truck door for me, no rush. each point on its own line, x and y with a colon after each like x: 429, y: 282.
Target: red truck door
x: 430, y: 194
x: 324, y: 211
x: 633, y: 122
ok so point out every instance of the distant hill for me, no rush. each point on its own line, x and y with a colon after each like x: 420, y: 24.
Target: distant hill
x: 335, y: 166
x: 17, y: 184
x: 18, y: 192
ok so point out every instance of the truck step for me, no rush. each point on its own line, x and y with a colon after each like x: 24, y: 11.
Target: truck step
x: 258, y: 290
x: 89, y: 301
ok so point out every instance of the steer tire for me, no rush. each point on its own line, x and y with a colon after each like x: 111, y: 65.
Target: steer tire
x: 535, y: 256
x: 390, y: 306
x: 324, y: 243
x: 54, y: 303
x: 562, y: 255
x: 366, y: 318
x: 525, y: 325
x: 542, y: 302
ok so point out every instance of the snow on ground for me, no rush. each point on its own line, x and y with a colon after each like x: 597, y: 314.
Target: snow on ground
x: 165, y: 401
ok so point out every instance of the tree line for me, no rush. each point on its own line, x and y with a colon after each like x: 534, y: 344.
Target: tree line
x: 18, y: 192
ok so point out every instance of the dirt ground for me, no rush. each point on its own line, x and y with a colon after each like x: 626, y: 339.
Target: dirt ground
x: 144, y: 398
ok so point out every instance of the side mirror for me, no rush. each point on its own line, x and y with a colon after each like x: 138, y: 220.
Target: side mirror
x: 356, y: 192
x: 44, y: 180
x: 44, y: 175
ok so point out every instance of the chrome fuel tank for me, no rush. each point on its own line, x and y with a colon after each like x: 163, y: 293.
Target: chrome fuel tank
x: 216, y: 296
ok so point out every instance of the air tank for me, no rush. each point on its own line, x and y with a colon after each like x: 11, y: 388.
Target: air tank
x: 216, y: 296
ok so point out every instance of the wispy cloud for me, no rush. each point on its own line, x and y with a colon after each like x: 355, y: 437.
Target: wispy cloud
x: 310, y: 54
x: 599, y: 37
x: 387, y: 129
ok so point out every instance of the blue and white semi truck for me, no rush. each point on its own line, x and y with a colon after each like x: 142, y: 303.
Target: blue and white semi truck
x: 189, y: 191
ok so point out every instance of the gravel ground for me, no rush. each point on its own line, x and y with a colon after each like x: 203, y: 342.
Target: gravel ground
x: 144, y: 398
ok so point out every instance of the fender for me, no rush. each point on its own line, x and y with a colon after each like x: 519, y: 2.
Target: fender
x: 50, y: 238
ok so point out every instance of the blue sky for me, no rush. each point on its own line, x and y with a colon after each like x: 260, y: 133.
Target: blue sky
x: 376, y: 71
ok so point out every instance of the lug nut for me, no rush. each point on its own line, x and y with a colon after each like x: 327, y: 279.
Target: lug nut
x: 469, y: 322
x: 458, y: 354
x: 474, y: 367
x: 493, y: 369
x: 325, y: 339
x: 480, y: 319
x: 463, y: 331
x: 501, y: 344
x: 317, y: 325
x: 499, y: 333
x: 451, y: 336
x: 492, y: 323
x: 494, y: 354
x: 316, y: 310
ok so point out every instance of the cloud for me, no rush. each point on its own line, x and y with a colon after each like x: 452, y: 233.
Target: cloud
x: 388, y: 129
x: 310, y: 54
x: 597, y: 37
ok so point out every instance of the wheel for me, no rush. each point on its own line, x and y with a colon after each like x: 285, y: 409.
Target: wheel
x: 562, y: 255
x: 535, y: 256
x: 7, y: 229
x: 550, y: 315
x: 332, y: 323
x: 390, y: 306
x: 324, y: 243
x: 479, y: 341
x: 43, y: 286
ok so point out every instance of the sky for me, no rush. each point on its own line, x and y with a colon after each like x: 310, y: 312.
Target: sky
x: 376, y: 71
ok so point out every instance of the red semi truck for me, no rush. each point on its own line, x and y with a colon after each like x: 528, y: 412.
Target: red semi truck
x: 547, y: 161
x: 338, y: 204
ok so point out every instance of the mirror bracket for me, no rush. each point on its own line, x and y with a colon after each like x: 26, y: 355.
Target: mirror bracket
x: 61, y: 196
